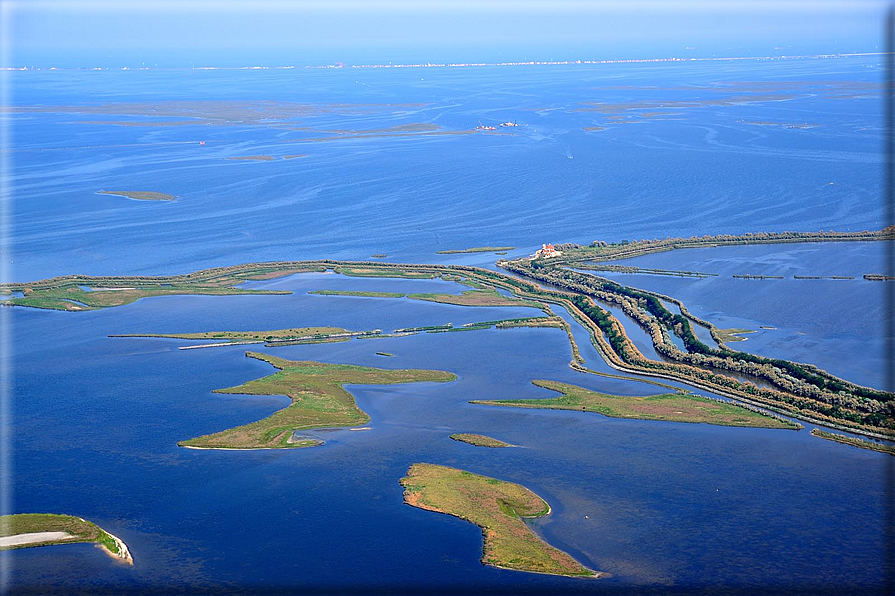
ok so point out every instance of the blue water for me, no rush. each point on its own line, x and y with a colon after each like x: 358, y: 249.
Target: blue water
x: 671, y: 507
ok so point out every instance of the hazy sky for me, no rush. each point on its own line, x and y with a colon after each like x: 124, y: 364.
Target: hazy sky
x: 274, y: 32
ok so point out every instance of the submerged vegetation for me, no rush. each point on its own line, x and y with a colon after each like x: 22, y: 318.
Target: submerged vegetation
x: 66, y: 529
x: 671, y: 407
x: 496, y: 506
x: 318, y: 401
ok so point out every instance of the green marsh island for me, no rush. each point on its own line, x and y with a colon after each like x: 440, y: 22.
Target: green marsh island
x: 140, y: 195
x: 671, y: 407
x: 479, y: 440
x: 498, y: 508
x: 319, y: 400
x: 24, y: 530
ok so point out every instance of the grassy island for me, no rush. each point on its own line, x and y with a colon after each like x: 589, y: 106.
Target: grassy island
x: 140, y: 195
x: 497, y: 507
x: 854, y: 441
x: 671, y: 407
x: 319, y: 400
x: 475, y: 249
x: 479, y: 440
x: 24, y: 530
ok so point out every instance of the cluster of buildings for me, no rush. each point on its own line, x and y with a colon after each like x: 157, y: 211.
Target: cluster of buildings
x: 547, y: 251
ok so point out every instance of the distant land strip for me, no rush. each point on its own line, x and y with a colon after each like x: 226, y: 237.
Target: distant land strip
x: 480, y: 64
x: 475, y: 249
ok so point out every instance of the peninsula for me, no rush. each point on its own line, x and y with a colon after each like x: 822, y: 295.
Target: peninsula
x: 670, y: 407
x: 319, y: 400
x: 498, y: 508
x: 24, y: 530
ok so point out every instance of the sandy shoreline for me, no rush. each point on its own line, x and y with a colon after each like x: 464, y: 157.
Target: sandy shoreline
x: 33, y: 537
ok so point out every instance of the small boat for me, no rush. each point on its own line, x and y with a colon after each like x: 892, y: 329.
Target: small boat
x: 483, y: 127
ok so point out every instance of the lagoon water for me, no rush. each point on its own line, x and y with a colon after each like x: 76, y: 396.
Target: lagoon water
x: 669, y: 507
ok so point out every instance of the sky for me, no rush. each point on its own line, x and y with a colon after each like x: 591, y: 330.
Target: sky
x: 183, y: 33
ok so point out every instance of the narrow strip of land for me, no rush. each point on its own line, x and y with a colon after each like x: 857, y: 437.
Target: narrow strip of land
x: 479, y: 440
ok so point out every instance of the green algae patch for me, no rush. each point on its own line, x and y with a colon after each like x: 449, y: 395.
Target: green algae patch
x: 140, y: 195
x: 479, y: 440
x: 498, y: 508
x: 475, y: 249
x: 854, y: 441
x: 670, y: 407
x: 24, y: 530
x: 319, y: 400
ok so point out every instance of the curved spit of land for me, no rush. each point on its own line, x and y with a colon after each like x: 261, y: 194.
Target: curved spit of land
x: 800, y: 390
x: 498, y: 508
x: 319, y: 400
x: 140, y: 195
x: 479, y: 440
x: 670, y: 407
x: 854, y: 441
x: 25, y: 530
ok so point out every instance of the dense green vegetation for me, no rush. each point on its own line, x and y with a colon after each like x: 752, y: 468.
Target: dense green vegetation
x: 479, y: 440
x: 318, y: 401
x: 671, y: 407
x: 496, y: 506
x: 80, y: 530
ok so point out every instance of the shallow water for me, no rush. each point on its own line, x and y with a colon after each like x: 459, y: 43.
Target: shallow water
x: 672, y: 507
